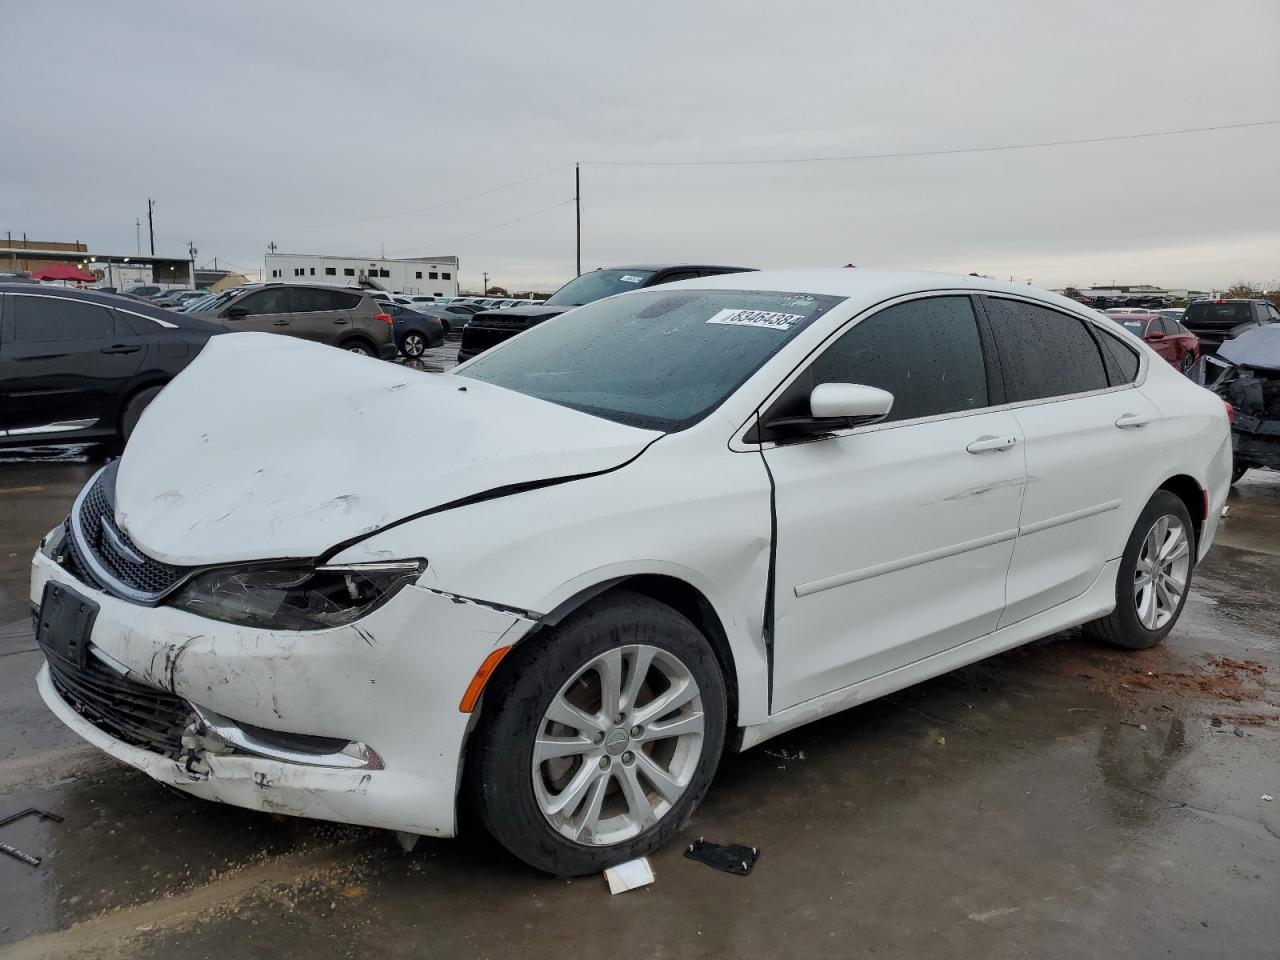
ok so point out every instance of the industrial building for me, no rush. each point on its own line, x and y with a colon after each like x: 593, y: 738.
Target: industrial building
x: 433, y: 276
x: 112, y: 269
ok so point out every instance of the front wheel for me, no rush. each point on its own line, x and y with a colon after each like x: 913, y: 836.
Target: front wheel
x: 1155, y: 575
x: 600, y: 737
x: 415, y: 344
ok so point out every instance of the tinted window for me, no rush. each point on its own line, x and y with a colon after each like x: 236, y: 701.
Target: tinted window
x: 927, y: 353
x: 597, y: 285
x: 1044, y: 353
x: 661, y: 359
x: 1218, y: 314
x: 55, y: 318
x: 308, y: 300
x: 1122, y: 362
x: 271, y: 300
x: 342, y: 300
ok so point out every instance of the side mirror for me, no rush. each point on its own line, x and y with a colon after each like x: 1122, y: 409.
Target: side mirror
x: 1155, y: 335
x: 835, y: 406
x: 235, y: 313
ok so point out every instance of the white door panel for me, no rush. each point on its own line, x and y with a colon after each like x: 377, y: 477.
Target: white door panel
x: 892, y: 545
x: 1085, y: 475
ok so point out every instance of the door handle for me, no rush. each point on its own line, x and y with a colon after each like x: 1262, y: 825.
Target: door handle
x: 1128, y: 421
x: 991, y: 444
x: 279, y: 323
x: 121, y: 348
x: 338, y: 321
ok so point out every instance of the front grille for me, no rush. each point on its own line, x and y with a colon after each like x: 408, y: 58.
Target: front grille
x: 133, y: 712
x: 150, y: 578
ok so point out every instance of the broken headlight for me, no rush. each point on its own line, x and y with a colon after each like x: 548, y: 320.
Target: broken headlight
x: 296, y: 597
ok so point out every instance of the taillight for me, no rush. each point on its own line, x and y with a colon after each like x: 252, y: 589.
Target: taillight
x: 1231, y: 412
x: 384, y: 317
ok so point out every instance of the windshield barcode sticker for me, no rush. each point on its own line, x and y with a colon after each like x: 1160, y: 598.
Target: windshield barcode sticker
x: 756, y: 318
x: 628, y: 278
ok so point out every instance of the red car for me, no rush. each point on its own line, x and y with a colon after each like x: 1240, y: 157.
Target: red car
x: 1166, y: 337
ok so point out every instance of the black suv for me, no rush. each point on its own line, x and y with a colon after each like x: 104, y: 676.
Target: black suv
x: 493, y: 326
x: 1216, y: 320
x: 80, y: 366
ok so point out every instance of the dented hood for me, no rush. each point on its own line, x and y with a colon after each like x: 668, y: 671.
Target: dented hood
x: 269, y: 447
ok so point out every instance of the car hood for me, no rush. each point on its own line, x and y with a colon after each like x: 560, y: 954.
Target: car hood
x: 531, y: 313
x: 269, y: 447
x: 1258, y: 347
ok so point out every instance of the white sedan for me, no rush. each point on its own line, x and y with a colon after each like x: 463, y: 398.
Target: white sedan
x: 663, y: 525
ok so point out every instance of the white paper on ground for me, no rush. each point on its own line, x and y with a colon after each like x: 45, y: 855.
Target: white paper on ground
x: 629, y: 875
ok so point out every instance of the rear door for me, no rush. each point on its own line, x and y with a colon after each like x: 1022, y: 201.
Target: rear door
x: 1164, y: 345
x: 317, y: 315
x: 265, y: 311
x: 64, y: 363
x: 1089, y: 450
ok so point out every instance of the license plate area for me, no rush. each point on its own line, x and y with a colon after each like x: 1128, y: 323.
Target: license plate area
x: 65, y: 623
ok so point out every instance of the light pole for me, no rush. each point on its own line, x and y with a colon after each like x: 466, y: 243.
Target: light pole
x: 191, y: 247
x: 484, y: 290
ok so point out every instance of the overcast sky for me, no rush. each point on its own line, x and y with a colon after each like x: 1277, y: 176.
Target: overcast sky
x: 327, y: 127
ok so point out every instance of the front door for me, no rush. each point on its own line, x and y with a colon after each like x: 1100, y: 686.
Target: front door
x: 893, y: 540
x: 267, y: 311
x: 64, y: 363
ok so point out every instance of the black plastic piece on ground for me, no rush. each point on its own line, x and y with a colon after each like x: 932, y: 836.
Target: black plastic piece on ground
x: 732, y: 858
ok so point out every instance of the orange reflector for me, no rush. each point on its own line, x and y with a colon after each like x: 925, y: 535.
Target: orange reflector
x: 476, y: 686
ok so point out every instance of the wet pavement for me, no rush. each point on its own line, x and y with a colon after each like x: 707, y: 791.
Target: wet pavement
x: 1061, y: 800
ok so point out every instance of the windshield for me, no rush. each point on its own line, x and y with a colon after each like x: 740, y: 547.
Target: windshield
x: 597, y: 285
x: 658, y: 359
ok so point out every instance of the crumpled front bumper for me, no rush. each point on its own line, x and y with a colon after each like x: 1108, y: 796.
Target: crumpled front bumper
x: 392, y: 680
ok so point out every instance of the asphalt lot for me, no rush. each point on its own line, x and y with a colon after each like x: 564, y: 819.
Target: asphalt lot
x: 1061, y: 800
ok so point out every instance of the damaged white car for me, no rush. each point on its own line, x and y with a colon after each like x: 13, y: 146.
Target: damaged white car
x: 663, y: 525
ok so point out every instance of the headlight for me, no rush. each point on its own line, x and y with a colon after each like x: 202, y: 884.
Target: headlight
x: 296, y: 597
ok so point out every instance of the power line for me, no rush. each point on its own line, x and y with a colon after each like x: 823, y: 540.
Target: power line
x: 507, y: 223
x: 931, y: 153
x: 471, y: 196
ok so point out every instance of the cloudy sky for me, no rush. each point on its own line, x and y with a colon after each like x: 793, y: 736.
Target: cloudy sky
x: 347, y: 128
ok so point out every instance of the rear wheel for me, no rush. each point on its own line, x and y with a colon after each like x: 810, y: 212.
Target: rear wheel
x: 1155, y: 575
x: 133, y: 410
x: 358, y: 346
x: 414, y: 345
x: 600, y: 737
x: 1238, y: 470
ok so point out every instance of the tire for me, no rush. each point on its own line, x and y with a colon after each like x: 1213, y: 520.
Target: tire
x: 1238, y: 470
x: 1188, y: 361
x: 448, y: 327
x: 133, y: 410
x: 414, y: 344
x: 1135, y: 625
x: 511, y: 793
x: 357, y: 346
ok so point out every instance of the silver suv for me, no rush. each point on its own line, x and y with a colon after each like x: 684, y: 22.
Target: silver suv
x: 348, y: 319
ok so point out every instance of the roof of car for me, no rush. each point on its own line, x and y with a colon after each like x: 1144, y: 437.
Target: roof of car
x: 873, y: 286
x: 678, y: 266
x: 129, y: 304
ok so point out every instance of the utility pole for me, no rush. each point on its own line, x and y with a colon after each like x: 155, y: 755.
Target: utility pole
x: 151, y: 225
x: 484, y: 291
x: 137, y: 234
x: 577, y: 212
x: 191, y: 248
x: 271, y: 247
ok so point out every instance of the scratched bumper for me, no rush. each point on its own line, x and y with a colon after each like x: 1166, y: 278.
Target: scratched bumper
x: 394, y: 685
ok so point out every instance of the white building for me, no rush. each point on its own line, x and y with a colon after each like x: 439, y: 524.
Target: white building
x: 433, y: 276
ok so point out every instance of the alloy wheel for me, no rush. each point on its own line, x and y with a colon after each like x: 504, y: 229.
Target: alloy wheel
x: 618, y: 745
x: 1160, y: 579
x: 414, y: 345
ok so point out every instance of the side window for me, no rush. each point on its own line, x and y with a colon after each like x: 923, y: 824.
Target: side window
x: 927, y: 353
x: 1044, y: 353
x: 272, y: 300
x: 55, y: 318
x: 345, y: 301
x: 1169, y: 328
x: 1122, y: 362
x: 676, y: 275
x: 310, y: 300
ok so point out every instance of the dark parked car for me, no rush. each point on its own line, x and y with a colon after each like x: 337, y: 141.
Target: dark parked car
x: 176, y: 298
x: 415, y: 332
x: 341, y: 317
x: 146, y: 290
x: 1214, y: 321
x: 493, y: 326
x: 78, y: 365
x: 1166, y: 337
x: 1246, y: 373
